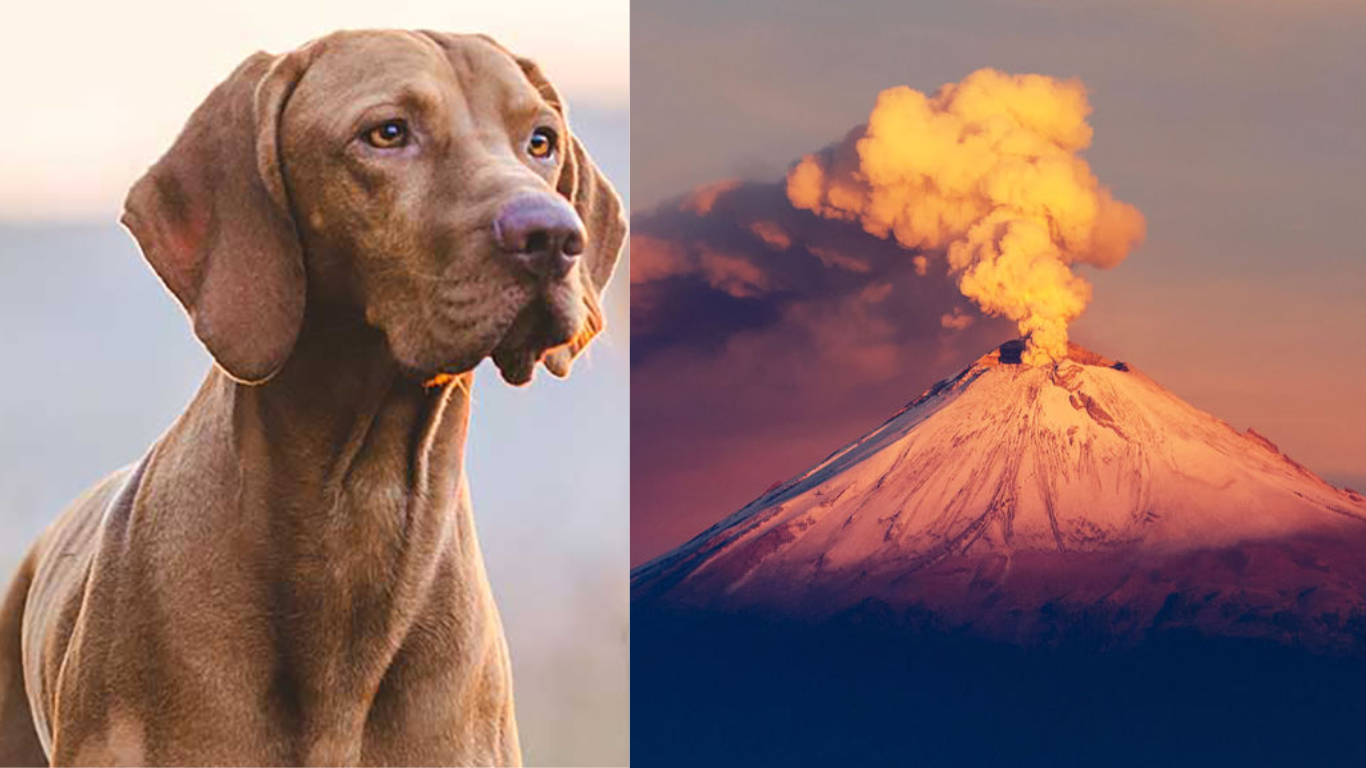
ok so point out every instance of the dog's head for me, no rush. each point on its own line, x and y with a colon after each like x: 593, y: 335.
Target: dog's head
x: 427, y: 183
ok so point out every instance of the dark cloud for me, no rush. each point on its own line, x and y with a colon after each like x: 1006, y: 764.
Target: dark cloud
x: 764, y: 337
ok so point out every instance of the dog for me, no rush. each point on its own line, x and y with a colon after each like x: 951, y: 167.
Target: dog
x: 290, y: 575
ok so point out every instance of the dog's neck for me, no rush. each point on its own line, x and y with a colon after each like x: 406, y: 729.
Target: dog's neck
x: 361, y: 505
x: 341, y: 410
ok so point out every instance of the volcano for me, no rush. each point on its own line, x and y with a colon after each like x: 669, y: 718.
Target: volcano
x: 1062, y: 556
x: 1010, y: 495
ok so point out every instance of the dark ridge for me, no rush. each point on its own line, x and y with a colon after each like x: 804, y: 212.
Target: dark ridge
x: 1120, y: 366
x: 720, y: 691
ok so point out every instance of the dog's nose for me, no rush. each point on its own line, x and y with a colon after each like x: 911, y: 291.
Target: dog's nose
x: 541, y: 232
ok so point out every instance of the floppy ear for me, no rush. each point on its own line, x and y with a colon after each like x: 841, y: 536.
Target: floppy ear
x: 599, y: 206
x: 605, y: 222
x: 213, y: 219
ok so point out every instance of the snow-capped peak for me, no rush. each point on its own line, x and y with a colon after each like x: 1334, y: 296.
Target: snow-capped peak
x: 1000, y: 470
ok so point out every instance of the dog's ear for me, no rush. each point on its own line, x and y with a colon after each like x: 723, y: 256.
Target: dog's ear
x: 213, y: 219
x: 599, y: 206
x: 605, y: 222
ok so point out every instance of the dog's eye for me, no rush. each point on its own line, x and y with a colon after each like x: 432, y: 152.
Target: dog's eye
x: 388, y: 134
x: 542, y: 143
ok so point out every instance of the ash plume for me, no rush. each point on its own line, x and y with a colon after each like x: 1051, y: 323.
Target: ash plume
x: 986, y: 172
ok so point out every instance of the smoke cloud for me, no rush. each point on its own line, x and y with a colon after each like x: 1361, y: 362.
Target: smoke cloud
x: 985, y: 172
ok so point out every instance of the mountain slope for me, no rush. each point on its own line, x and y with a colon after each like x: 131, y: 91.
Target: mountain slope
x: 1019, y: 500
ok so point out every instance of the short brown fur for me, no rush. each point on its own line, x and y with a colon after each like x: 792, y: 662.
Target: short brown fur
x: 290, y: 575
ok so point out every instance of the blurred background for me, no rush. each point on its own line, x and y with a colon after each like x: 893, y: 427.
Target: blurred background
x: 96, y: 358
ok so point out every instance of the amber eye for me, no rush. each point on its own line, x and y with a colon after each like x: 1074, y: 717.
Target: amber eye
x: 388, y: 134
x: 542, y: 143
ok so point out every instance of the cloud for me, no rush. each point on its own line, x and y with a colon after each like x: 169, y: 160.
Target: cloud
x: 701, y: 200
x: 987, y: 173
x: 957, y: 319
x: 831, y: 257
x: 772, y: 235
x: 733, y: 275
x: 654, y: 259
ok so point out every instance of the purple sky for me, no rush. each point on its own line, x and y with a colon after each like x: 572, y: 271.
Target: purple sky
x: 1234, y: 127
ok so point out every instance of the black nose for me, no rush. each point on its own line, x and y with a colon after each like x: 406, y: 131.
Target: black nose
x: 541, y: 232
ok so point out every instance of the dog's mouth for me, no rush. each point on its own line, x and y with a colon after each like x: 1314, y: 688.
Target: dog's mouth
x: 546, y: 322
x: 537, y: 328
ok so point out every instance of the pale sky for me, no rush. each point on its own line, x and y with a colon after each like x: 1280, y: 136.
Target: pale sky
x: 93, y: 92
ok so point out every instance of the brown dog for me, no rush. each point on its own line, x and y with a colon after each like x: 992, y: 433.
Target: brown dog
x: 290, y: 575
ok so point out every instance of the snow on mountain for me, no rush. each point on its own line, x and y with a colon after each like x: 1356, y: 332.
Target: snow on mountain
x: 1011, y: 499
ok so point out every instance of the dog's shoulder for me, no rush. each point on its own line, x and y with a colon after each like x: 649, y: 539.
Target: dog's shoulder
x: 62, y: 554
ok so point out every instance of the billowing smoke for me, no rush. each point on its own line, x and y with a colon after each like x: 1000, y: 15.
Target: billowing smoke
x: 985, y: 172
